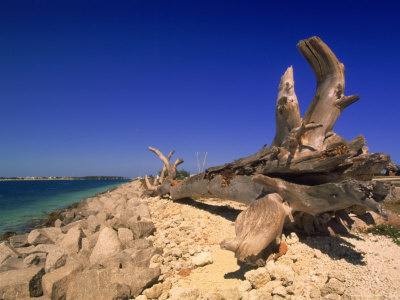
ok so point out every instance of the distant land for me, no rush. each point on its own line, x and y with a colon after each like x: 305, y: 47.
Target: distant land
x: 67, y: 178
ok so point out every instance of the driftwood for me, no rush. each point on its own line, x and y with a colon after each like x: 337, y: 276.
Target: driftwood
x: 160, y: 186
x: 308, y: 170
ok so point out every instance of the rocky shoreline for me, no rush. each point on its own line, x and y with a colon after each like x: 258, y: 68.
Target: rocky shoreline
x: 118, y: 245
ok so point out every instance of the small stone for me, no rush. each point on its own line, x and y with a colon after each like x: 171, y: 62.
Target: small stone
x: 176, y: 252
x: 282, y: 272
x: 292, y: 238
x: 259, y: 295
x: 202, y: 259
x: 337, y: 274
x: 231, y: 294
x: 245, y: 286
x: 333, y: 286
x: 258, y: 277
x: 213, y: 296
x: 334, y: 297
x: 315, y: 293
x: 271, y: 285
x: 154, y: 292
x: 317, y: 253
x: 178, y: 293
x: 141, y: 297
x: 184, y: 272
x: 280, y: 291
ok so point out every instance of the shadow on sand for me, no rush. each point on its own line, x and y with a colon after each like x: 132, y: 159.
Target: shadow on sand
x: 334, y: 246
x: 224, y: 211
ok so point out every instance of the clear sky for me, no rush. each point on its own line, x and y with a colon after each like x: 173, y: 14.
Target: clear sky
x: 86, y: 86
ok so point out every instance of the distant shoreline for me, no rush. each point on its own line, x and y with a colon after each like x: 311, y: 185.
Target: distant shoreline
x: 64, y: 178
x: 49, y: 218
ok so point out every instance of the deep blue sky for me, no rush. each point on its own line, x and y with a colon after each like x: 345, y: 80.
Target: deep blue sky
x: 86, y: 86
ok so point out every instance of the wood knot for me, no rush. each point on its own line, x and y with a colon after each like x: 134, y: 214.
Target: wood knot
x: 339, y: 150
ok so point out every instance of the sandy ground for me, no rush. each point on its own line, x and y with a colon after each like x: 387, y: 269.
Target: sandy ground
x: 368, y: 266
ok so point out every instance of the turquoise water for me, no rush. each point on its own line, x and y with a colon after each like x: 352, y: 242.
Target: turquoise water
x: 21, y: 202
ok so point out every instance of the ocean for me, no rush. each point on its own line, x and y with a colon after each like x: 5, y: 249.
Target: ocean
x: 24, y: 201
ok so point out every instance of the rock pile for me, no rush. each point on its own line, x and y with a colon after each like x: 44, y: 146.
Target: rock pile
x: 98, y: 251
x: 121, y: 246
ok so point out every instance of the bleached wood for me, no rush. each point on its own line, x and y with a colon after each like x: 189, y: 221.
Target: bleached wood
x: 262, y: 222
x: 171, y: 168
x: 329, y: 100
x: 287, y: 114
x: 316, y: 172
x: 164, y: 167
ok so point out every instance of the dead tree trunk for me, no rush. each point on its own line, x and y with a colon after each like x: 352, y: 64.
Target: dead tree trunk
x: 161, y: 186
x: 314, y: 171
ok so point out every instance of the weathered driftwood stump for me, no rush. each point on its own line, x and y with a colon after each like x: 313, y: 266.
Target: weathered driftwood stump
x: 160, y: 186
x: 308, y: 171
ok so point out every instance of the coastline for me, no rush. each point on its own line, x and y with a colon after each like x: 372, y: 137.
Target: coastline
x: 128, y: 245
x: 49, y: 219
x: 64, y: 178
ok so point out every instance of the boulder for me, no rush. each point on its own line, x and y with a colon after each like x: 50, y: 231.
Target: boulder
x: 35, y: 284
x: 12, y: 263
x: 72, y: 241
x: 57, y: 223
x: 37, y: 237
x: 68, y: 217
x: 20, y: 240
x: 106, y: 246
x: 125, y: 236
x: 56, y: 282
x: 94, y: 204
x: 55, y: 259
x: 139, y: 255
x: 111, y: 283
x: 140, y: 210
x: 53, y: 233
x: 93, y: 223
x: 89, y: 242
x: 23, y: 283
x: 42, y: 248
x: 258, y: 277
x: 25, y: 251
x: 202, y: 259
x: 35, y: 259
x: 6, y: 251
x: 141, y: 229
x: 80, y: 224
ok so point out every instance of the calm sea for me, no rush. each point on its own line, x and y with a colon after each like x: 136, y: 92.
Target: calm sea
x: 22, y: 202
